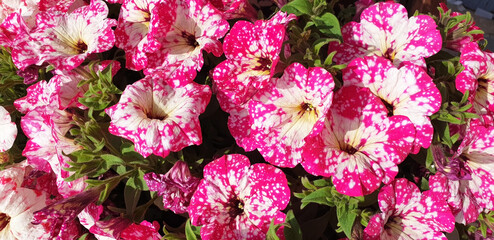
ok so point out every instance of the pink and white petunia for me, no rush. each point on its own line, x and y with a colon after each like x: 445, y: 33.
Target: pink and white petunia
x: 407, y: 91
x: 289, y: 111
x: 47, y: 147
x: 159, y: 118
x: 252, y: 53
x: 17, y: 205
x: 359, y: 146
x: 236, y: 200
x: 8, y: 130
x: 478, y: 79
x: 65, y: 40
x: 385, y: 30
x: 176, y: 186
x: 140, y: 24
x: 406, y: 213
x: 197, y: 26
x: 469, y: 191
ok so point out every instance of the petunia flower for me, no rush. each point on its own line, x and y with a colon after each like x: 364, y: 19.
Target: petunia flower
x: 17, y: 205
x: 359, y: 146
x: 176, y: 186
x: 197, y: 26
x: 60, y: 215
x: 8, y: 130
x: 47, y: 147
x: 385, y: 30
x: 236, y: 200
x: 289, y: 111
x: 143, y: 231
x: 406, y: 213
x: 252, y: 53
x: 468, y: 192
x: 159, y: 118
x: 140, y: 24
x: 407, y: 91
x: 66, y: 39
x: 478, y: 79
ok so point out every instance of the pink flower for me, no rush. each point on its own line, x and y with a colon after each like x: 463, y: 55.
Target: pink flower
x: 289, y: 111
x: 176, y: 186
x: 409, y: 214
x: 471, y: 192
x: 359, y: 146
x: 140, y: 24
x: 143, y: 231
x: 407, y: 91
x: 47, y: 147
x: 159, y: 118
x: 235, y: 9
x: 197, y: 26
x: 385, y: 30
x: 478, y: 79
x: 252, y: 53
x: 8, y: 130
x: 61, y: 216
x: 66, y: 39
x: 17, y: 205
x: 360, y: 6
x: 238, y: 201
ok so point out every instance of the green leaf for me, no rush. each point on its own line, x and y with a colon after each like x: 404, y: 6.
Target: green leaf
x: 112, y: 159
x: 346, y: 218
x: 131, y: 197
x: 328, y: 24
x: 137, y: 181
x: 191, y: 231
x: 298, y: 7
x: 293, y: 231
x: 320, y: 196
x: 429, y: 160
x: 273, y: 228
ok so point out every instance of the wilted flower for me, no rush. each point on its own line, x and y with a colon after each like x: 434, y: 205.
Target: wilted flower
x: 238, y: 201
x: 176, y: 186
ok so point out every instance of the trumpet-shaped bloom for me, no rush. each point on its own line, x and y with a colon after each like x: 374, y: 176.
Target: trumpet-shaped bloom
x: 197, y: 26
x: 17, y: 205
x: 176, y: 186
x: 66, y: 39
x: 236, y: 200
x: 8, y: 129
x: 252, y: 53
x: 406, y: 213
x: 407, y: 91
x: 359, y: 145
x: 470, y: 192
x: 478, y: 79
x: 47, y: 147
x: 140, y: 24
x: 289, y: 111
x: 159, y: 118
x: 385, y: 30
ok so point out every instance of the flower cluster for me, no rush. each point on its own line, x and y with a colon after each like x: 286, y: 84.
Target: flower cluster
x: 151, y: 119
